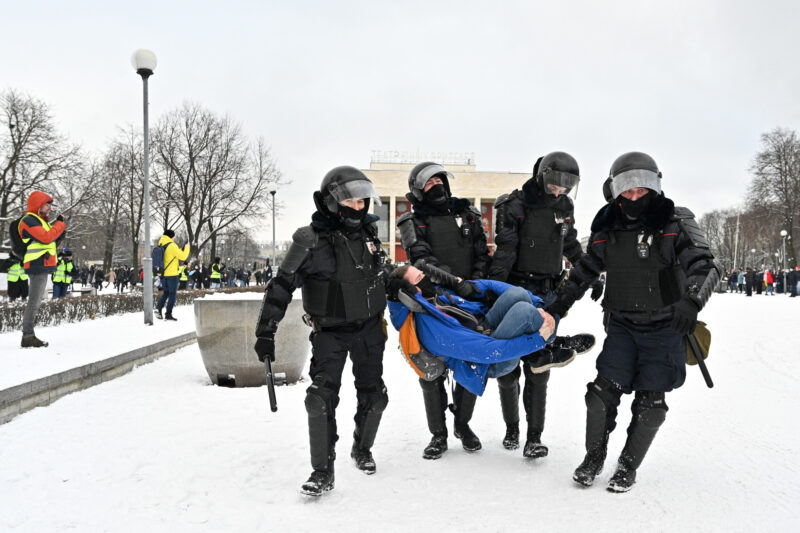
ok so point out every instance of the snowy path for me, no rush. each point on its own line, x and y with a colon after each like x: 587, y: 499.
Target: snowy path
x: 162, y: 449
x: 76, y: 344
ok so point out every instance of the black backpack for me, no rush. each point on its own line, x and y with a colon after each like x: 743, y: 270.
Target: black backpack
x: 158, y: 260
x: 17, y: 246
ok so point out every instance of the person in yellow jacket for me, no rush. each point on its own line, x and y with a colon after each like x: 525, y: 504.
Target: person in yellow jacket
x: 62, y: 277
x: 17, y: 279
x: 183, y: 278
x: 173, y: 255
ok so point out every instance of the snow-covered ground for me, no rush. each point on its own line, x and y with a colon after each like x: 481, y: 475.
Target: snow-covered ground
x: 163, y: 450
x: 76, y: 344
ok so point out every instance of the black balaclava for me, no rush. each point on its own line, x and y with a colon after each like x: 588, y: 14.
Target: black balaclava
x: 436, y: 195
x: 634, y: 210
x: 427, y: 287
x: 352, y: 218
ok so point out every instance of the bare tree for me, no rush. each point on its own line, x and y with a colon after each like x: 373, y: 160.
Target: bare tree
x: 775, y: 189
x: 127, y: 154
x: 218, y: 178
x: 34, y: 155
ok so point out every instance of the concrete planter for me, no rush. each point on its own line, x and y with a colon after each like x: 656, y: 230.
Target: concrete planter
x: 226, y: 335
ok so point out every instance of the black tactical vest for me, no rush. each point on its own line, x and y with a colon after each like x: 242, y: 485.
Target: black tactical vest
x: 635, y: 283
x: 355, y: 292
x: 450, y: 245
x: 541, y: 243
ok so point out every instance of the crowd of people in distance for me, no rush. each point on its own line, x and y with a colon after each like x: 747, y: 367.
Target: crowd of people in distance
x: 762, y: 281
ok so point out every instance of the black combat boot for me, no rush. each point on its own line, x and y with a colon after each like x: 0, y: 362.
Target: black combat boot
x: 363, y: 459
x: 649, y: 412
x: 435, y: 398
x: 464, y: 407
x: 159, y: 315
x: 592, y: 464
x: 602, y: 399
x: 436, y: 447
x: 372, y: 402
x: 509, y: 402
x: 534, y: 398
x: 320, y: 480
x: 320, y: 404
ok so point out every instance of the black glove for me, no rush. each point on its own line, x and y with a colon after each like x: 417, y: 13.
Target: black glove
x: 489, y: 297
x: 399, y: 284
x: 684, y: 318
x: 597, y: 290
x: 466, y: 290
x: 265, y: 346
x: 560, y: 307
x: 60, y: 218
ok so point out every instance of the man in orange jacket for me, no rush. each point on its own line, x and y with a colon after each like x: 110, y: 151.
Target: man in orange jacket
x: 41, y: 241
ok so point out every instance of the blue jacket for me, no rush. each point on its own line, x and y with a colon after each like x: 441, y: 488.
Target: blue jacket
x: 466, y: 352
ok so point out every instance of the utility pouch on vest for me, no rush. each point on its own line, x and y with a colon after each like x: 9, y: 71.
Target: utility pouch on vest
x: 703, y: 337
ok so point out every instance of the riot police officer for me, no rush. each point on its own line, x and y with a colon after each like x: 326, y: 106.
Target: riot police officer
x: 659, y: 275
x: 535, y: 229
x: 448, y: 233
x: 337, y: 260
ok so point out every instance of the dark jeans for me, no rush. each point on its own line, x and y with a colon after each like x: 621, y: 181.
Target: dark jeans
x: 170, y: 286
x: 641, y: 358
x: 60, y: 289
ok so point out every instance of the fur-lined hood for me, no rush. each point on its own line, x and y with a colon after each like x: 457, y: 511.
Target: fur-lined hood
x: 656, y: 217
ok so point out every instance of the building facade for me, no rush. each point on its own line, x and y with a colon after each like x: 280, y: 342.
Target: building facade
x: 389, y: 171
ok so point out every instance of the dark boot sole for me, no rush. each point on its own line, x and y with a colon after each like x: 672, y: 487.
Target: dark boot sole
x: 315, y: 493
x: 583, y: 481
x: 470, y: 448
x: 618, y: 489
x: 545, y: 368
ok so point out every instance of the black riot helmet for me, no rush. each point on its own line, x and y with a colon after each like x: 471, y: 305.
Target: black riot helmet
x: 340, y: 184
x: 420, y: 175
x: 557, y: 168
x: 630, y: 170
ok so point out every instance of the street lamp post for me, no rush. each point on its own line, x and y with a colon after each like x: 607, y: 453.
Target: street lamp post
x: 272, y: 187
x: 144, y: 62
x: 784, y: 233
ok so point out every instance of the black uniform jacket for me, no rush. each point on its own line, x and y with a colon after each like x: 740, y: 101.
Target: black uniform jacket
x: 674, y: 244
x: 510, y: 216
x: 458, y: 207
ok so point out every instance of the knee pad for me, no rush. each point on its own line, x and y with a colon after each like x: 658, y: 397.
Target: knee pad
x: 319, y: 398
x: 510, y: 380
x: 373, y: 398
x: 649, y: 408
x: 602, y: 395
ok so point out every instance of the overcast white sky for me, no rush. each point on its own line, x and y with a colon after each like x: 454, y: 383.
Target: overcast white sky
x: 692, y: 83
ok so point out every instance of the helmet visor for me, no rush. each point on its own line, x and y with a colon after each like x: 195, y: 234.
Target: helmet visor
x: 560, y: 179
x: 427, y: 173
x: 354, y: 189
x: 631, y: 179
